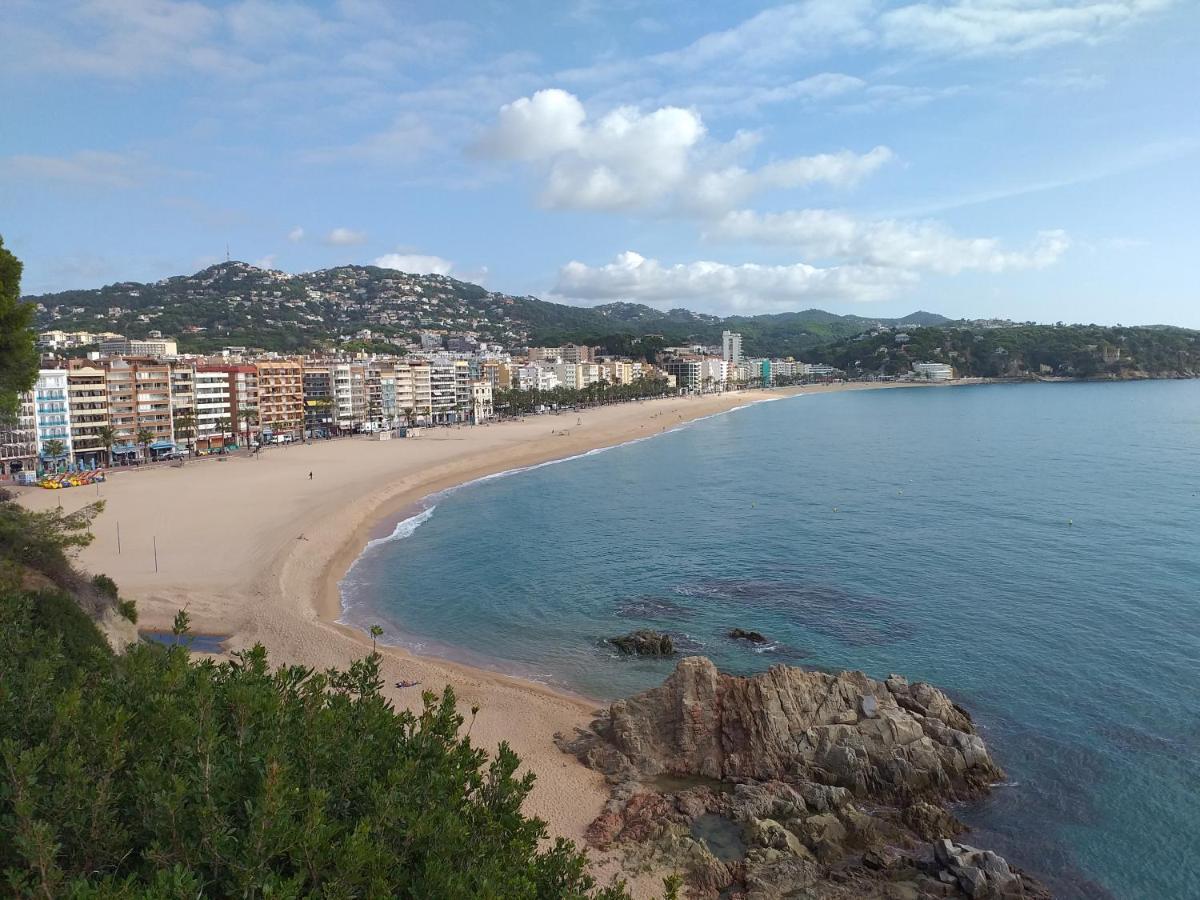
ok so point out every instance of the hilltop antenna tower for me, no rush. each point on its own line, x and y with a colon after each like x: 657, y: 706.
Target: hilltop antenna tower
x: 227, y: 251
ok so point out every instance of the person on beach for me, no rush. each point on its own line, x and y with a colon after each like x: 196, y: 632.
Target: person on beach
x: 310, y: 476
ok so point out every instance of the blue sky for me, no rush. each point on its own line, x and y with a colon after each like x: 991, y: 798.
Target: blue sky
x: 1021, y: 158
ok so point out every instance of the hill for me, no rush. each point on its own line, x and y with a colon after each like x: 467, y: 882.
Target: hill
x: 234, y: 303
x: 1075, y: 351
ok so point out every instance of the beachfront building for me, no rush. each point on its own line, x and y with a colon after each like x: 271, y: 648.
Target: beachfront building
x: 87, y: 398
x: 280, y: 404
x: 414, y: 392
x: 215, y: 423
x: 688, y: 371
x: 442, y: 393
x: 481, y: 405
x: 933, y: 371
x: 18, y: 439
x: 537, y: 378
x: 157, y: 347
x: 52, y: 419
x: 731, y: 347
x: 183, y: 403
x: 318, y: 399
x: 139, y: 399
x: 349, y: 396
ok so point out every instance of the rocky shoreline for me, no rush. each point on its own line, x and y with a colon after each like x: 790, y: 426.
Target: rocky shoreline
x: 794, y: 783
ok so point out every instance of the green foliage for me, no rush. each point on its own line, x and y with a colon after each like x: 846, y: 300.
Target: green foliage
x: 57, y: 615
x: 1081, y: 351
x: 128, y: 609
x: 45, y: 540
x: 153, y: 775
x: 18, y: 351
x: 105, y: 585
x: 234, y: 303
x: 513, y: 401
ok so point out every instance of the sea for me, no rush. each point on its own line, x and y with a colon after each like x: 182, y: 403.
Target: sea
x: 1032, y: 549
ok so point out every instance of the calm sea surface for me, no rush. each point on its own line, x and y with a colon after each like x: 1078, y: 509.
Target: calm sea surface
x: 1035, y: 550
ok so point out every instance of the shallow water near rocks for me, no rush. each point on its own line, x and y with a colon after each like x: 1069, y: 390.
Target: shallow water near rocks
x: 1034, y: 550
x: 722, y: 837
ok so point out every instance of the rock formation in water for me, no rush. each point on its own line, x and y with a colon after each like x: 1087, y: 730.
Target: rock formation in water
x: 644, y: 643
x: 831, y: 784
x: 754, y: 637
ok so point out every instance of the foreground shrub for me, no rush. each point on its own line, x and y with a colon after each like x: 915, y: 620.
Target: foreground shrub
x: 153, y: 775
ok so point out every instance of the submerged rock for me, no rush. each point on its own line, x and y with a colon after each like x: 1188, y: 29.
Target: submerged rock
x: 754, y: 637
x: 836, y: 781
x: 644, y: 643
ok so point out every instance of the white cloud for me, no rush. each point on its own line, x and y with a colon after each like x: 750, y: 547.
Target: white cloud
x: 94, y: 168
x: 266, y: 262
x: 628, y: 159
x: 345, y: 237
x: 415, y: 263
x: 718, y: 286
x: 827, y: 234
x: 537, y: 127
x: 296, y: 234
x: 723, y: 189
x: 973, y: 27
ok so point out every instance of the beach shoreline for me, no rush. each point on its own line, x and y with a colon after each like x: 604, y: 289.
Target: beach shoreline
x: 255, y: 549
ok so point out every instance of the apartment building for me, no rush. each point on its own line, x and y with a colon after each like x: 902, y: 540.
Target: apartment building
x: 133, y: 347
x: 687, y: 370
x: 443, y: 391
x: 18, y: 440
x: 349, y: 395
x: 731, y: 347
x: 537, y: 378
x: 52, y: 418
x: 481, y: 402
x: 414, y: 391
x: 215, y: 408
x: 139, y: 399
x: 87, y: 397
x: 281, y: 407
x: 317, y: 381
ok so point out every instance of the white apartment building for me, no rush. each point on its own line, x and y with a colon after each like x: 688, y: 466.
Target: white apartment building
x: 213, y: 401
x: 481, y: 406
x: 18, y: 440
x: 537, y: 378
x: 731, y: 347
x: 933, y: 371
x: 148, y: 347
x: 52, y: 417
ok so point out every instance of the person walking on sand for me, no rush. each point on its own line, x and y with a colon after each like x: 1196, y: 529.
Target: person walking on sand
x: 310, y: 476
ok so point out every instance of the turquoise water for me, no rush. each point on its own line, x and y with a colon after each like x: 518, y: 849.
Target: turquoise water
x: 1033, y: 549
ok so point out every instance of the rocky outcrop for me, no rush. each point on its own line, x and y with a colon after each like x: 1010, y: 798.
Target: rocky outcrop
x: 886, y: 740
x: 754, y: 637
x: 833, y: 783
x: 644, y: 643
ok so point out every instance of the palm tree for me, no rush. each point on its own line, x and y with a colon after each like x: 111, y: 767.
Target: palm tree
x: 54, y: 450
x: 185, y: 427
x: 145, y: 437
x: 249, y: 417
x: 107, y: 435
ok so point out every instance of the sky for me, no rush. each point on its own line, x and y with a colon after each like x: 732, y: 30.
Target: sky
x: 1026, y: 159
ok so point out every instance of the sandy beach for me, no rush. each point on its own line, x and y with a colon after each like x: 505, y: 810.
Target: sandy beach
x: 254, y: 548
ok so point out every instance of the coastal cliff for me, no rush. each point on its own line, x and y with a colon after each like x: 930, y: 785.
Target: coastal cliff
x: 796, y: 783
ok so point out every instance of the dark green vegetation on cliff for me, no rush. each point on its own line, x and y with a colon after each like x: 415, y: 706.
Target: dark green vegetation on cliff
x: 149, y: 774
x: 18, y: 356
x: 238, y: 304
x: 1078, y: 351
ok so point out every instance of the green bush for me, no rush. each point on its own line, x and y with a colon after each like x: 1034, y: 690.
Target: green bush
x: 128, y: 609
x: 153, y: 775
x: 105, y: 585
